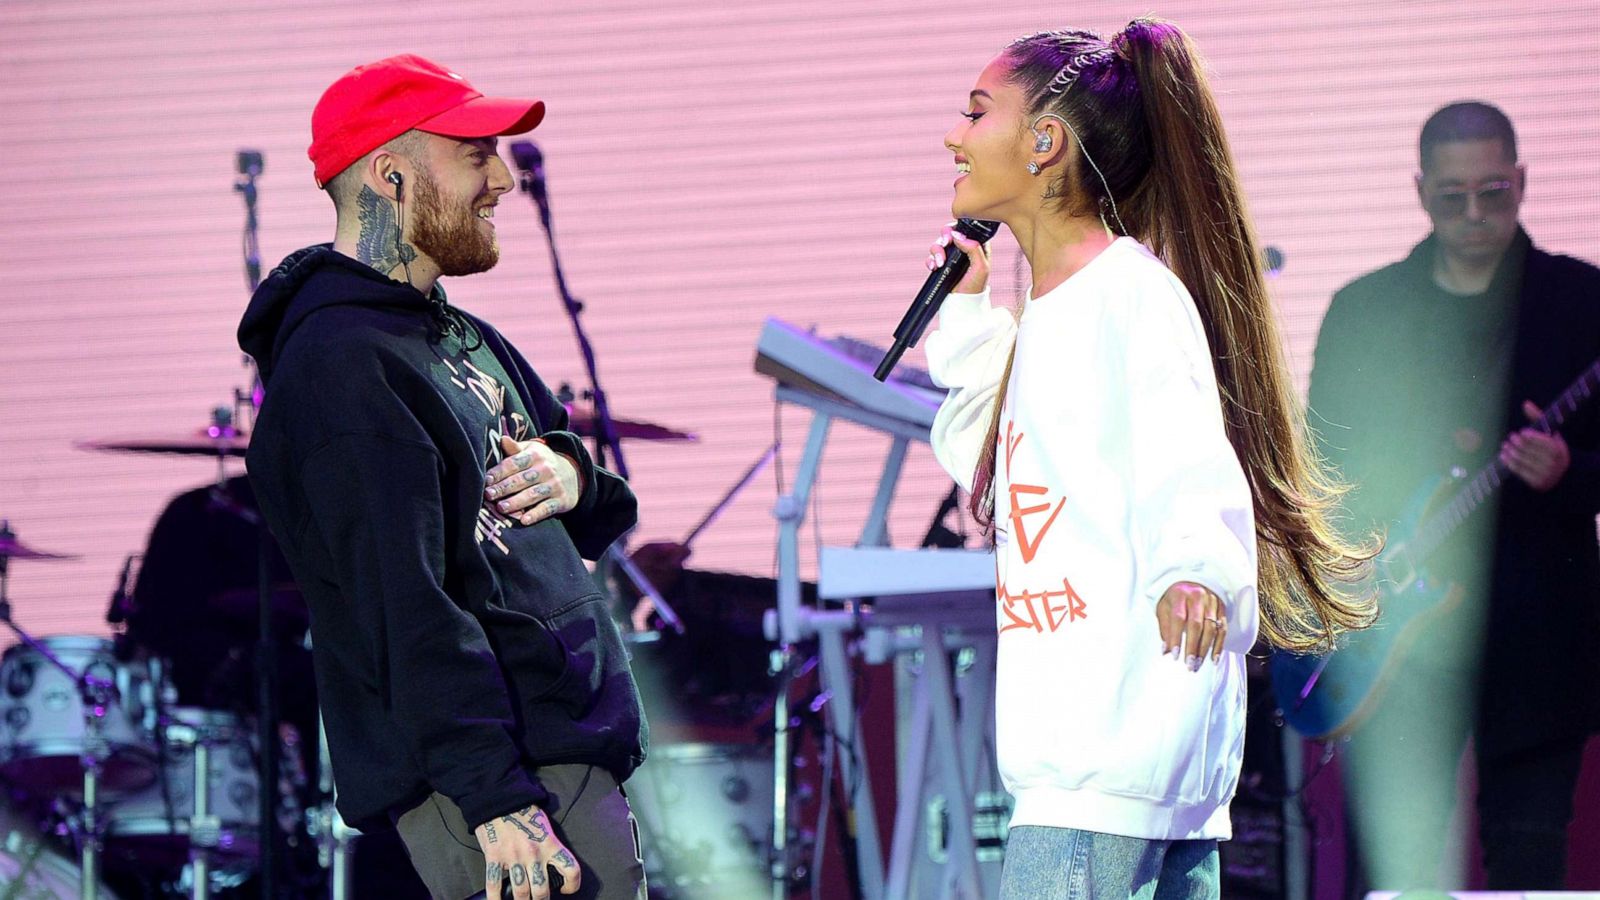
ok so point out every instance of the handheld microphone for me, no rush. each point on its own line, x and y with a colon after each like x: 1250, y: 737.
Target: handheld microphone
x: 530, y: 161
x: 934, y: 290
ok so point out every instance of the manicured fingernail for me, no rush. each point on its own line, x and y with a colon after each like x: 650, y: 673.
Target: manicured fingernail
x: 944, y: 240
x: 505, y: 506
x: 1194, y: 663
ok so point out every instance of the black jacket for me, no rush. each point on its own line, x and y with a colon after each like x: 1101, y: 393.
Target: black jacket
x: 1409, y: 383
x: 455, y: 649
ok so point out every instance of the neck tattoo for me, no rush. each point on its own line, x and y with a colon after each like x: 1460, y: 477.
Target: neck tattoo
x: 379, y: 244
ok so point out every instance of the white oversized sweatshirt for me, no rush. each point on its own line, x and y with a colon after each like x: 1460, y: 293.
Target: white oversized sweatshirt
x: 1114, y: 480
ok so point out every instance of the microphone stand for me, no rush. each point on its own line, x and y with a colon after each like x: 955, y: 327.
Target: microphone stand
x: 606, y: 427
x: 250, y: 164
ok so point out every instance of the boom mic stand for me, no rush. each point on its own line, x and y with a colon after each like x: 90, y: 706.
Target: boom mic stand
x: 531, y: 164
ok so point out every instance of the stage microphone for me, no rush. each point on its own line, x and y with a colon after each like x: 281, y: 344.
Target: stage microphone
x: 530, y: 162
x: 933, y: 292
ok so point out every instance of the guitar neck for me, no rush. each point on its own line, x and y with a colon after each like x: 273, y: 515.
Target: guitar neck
x: 1436, y: 529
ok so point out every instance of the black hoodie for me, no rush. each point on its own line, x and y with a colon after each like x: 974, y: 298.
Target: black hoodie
x: 456, y: 650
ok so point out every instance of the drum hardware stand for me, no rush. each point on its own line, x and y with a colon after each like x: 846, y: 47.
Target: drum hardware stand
x: 335, y: 840
x: 89, y: 831
x: 205, y: 828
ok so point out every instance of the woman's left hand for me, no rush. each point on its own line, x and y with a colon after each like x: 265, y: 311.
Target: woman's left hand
x: 1192, y: 617
x: 532, y: 483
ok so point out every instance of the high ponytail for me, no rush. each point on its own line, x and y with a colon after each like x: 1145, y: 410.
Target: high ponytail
x: 1143, y: 111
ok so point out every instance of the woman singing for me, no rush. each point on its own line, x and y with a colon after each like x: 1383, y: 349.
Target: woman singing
x: 1132, y: 439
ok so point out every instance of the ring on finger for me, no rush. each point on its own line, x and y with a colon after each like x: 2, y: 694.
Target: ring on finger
x: 1212, y: 621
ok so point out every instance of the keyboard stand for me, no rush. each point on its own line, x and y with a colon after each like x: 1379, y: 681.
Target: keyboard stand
x: 950, y: 717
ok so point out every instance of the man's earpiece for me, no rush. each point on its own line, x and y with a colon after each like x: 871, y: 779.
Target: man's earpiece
x: 400, y: 249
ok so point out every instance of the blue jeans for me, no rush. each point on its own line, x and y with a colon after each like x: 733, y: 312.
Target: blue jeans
x: 1068, y: 864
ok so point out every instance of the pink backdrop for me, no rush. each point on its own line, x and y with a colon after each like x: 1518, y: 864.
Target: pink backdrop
x: 710, y: 164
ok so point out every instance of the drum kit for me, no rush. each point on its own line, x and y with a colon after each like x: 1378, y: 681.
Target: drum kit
x: 109, y: 773
x: 92, y: 744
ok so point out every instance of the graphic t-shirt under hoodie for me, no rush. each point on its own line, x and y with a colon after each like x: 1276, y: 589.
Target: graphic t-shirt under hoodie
x: 1114, y: 479
x: 456, y: 649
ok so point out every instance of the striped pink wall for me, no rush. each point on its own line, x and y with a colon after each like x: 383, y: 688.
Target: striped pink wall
x: 710, y: 164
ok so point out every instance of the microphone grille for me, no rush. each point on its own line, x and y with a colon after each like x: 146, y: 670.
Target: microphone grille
x: 977, y: 229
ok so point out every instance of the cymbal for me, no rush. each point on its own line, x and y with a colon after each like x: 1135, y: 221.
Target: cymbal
x: 583, y: 422
x: 213, y: 441
x: 11, y: 548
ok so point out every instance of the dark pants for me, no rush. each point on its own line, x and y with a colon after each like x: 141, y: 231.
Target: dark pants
x: 1400, y: 792
x: 588, y: 813
x: 1524, y: 808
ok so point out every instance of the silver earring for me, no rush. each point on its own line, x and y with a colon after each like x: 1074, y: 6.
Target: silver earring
x: 1042, y: 141
x: 1033, y: 168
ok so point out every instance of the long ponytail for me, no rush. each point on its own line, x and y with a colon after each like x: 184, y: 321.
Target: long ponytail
x: 1143, y: 110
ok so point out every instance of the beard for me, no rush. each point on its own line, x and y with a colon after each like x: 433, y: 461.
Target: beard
x: 447, y: 231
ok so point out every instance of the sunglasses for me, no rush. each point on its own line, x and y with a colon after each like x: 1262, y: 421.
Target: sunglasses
x: 1494, y: 197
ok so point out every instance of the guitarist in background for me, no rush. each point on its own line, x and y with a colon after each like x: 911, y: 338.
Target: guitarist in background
x: 1436, y: 363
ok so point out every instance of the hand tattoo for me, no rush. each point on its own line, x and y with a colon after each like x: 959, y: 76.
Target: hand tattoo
x: 538, y: 832
x: 488, y: 828
x: 519, y: 875
x: 494, y: 873
x: 379, y: 245
x: 537, y: 878
x: 565, y: 858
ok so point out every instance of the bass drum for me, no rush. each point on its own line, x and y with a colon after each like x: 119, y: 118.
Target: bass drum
x: 30, y: 869
x: 704, y: 814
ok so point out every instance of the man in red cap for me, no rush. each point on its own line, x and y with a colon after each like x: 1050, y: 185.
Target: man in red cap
x: 436, y: 512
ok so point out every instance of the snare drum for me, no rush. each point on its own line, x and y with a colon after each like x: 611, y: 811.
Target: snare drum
x: 153, y: 825
x: 45, y: 729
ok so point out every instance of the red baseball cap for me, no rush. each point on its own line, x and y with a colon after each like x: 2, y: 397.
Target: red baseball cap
x: 376, y: 103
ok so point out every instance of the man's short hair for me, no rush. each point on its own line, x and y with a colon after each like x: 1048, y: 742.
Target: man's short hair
x: 344, y: 186
x: 1467, y: 120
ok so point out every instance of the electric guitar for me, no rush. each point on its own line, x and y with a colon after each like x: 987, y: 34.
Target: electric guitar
x: 1326, y: 696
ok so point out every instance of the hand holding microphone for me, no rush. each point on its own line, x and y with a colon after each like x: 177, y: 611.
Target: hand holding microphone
x: 977, y: 253
x: 958, y: 261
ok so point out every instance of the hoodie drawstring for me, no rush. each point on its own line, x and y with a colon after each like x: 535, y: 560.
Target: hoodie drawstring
x: 449, y: 320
